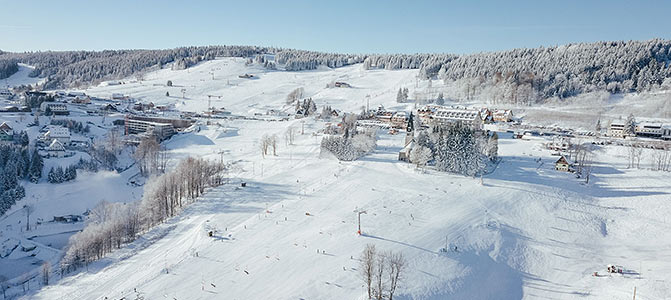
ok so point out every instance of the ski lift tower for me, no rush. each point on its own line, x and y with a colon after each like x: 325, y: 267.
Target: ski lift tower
x: 359, y: 212
x: 209, y: 100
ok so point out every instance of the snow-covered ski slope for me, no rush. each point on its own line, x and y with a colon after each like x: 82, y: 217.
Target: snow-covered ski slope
x: 20, y: 77
x: 266, y: 90
x: 526, y: 231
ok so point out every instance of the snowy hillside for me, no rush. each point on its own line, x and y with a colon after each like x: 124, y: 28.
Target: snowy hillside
x: 268, y: 90
x: 21, y: 77
x: 523, y: 231
x: 526, y: 232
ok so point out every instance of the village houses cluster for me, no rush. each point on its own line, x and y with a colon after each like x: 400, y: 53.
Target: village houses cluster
x: 436, y: 115
x: 625, y: 129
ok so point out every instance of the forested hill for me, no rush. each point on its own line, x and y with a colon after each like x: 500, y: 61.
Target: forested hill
x: 526, y: 75
x: 7, y: 66
x: 567, y: 70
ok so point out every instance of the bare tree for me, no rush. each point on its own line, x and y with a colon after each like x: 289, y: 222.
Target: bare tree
x: 396, y: 266
x: 162, y: 159
x: 635, y: 152
x: 367, y: 267
x: 112, y: 224
x: 148, y: 157
x: 661, y: 159
x: 46, y: 269
x: 639, y: 152
x: 581, y: 152
x: 114, y: 141
x: 273, y: 143
x: 587, y: 166
x: 381, y: 272
x: 264, y: 144
x: 295, y: 95
x: 25, y: 282
x: 290, y: 135
x: 380, y: 283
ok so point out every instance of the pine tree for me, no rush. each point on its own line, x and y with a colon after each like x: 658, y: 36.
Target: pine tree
x: 36, y: 165
x: 410, y: 127
x: 630, y: 125
x: 51, y: 177
x: 23, y: 139
x: 399, y: 96
x: 9, y: 176
x: 440, y: 100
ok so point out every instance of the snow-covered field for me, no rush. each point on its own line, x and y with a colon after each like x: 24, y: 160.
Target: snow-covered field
x: 525, y: 231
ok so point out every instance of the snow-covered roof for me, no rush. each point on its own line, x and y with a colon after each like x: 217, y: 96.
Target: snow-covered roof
x: 56, y: 145
x: 58, y: 132
x: 54, y: 106
x: 5, y: 127
x: 457, y: 114
x: 650, y: 124
x: 562, y: 160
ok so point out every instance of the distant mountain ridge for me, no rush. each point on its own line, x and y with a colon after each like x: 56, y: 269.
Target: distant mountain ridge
x: 518, y: 75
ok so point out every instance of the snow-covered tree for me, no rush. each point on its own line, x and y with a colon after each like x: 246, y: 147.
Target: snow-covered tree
x: 441, y: 99
x: 36, y: 165
x: 295, y: 95
x: 112, y: 224
x: 492, y: 149
x: 630, y: 125
x: 399, y: 96
x: 349, y: 147
x: 410, y: 126
x: 460, y: 149
x: 420, y: 155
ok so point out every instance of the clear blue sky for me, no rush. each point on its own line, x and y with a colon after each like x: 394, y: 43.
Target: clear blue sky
x: 364, y: 26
